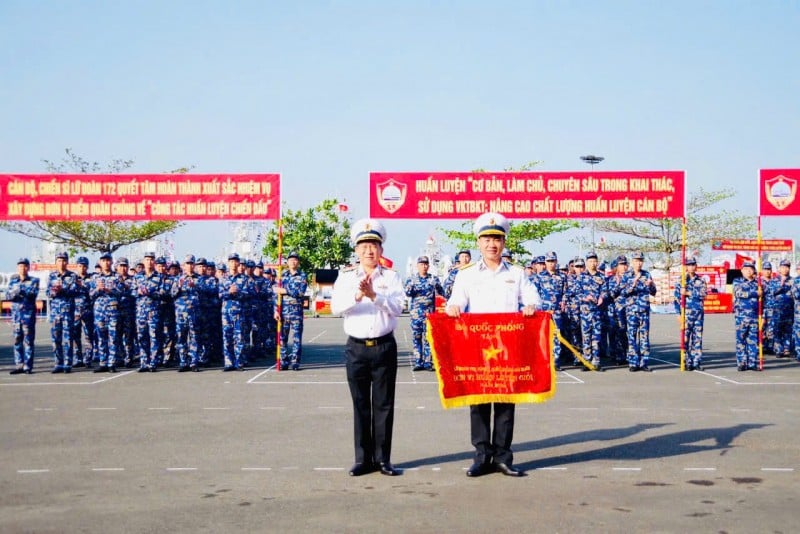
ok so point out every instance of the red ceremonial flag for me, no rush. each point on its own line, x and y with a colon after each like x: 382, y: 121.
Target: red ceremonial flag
x: 492, y: 357
x: 741, y: 258
x: 343, y: 207
x: 385, y: 262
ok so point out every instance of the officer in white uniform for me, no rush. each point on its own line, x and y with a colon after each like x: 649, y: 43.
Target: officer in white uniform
x: 492, y: 285
x: 370, y: 297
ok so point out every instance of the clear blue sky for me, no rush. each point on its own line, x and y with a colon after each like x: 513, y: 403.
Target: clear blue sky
x: 325, y: 92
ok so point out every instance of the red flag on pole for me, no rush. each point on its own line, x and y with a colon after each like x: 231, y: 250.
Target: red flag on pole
x: 740, y: 259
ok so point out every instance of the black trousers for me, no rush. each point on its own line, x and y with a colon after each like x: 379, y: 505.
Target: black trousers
x: 371, y: 375
x: 492, y: 444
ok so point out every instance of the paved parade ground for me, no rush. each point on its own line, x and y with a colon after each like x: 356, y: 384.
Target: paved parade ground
x: 267, y: 451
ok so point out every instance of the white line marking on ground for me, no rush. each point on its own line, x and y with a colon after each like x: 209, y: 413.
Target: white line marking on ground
x: 112, y: 377
x: 256, y: 469
x: 436, y: 468
x: 626, y: 468
x: 575, y: 378
x: 175, y: 469
x: 583, y: 408
x: 160, y: 408
x: 411, y: 469
x: 32, y: 471
x: 315, y: 337
x: 778, y: 469
x: 259, y: 374
x: 420, y: 407
x: 98, y: 469
x: 699, y: 468
x: 329, y: 469
x: 690, y: 409
x: 550, y: 469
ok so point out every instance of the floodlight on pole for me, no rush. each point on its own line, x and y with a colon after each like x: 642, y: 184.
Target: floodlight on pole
x: 592, y: 160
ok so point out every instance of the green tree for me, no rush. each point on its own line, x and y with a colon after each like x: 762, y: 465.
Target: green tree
x: 319, y: 235
x: 660, y: 239
x: 520, y: 233
x: 80, y: 236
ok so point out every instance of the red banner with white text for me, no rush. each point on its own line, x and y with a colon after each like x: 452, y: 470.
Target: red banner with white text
x: 527, y: 195
x: 136, y: 197
x: 778, y: 192
x: 492, y: 357
x: 765, y: 245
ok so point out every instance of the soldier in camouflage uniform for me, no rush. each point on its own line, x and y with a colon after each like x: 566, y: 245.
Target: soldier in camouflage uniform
x: 272, y: 325
x: 149, y: 292
x: 61, y: 291
x: 127, y: 346
x: 767, y: 307
x: 795, y: 292
x: 262, y: 311
x: 464, y: 258
x: 23, y: 290
x: 572, y: 316
x: 248, y: 308
x: 83, y: 324
x: 692, y: 299
x: 167, y: 348
x: 637, y: 288
x: 233, y: 290
x: 422, y: 288
x: 292, y: 290
x: 617, y: 324
x: 552, y: 287
x: 186, y: 295
x: 783, y: 311
x: 105, y: 290
x: 591, y: 291
x: 746, y: 292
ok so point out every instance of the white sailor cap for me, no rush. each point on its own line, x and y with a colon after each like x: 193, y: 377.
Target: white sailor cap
x: 491, y: 224
x: 367, y: 230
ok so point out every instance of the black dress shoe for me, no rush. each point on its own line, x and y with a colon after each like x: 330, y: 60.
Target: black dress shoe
x: 742, y: 368
x: 418, y: 367
x: 67, y: 370
x: 194, y: 369
x: 183, y: 368
x: 690, y: 367
x: 56, y: 370
x: 633, y: 368
x: 28, y: 371
x: 479, y: 469
x: 17, y: 371
x: 699, y: 367
x: 361, y: 468
x: 557, y: 367
x: 101, y: 369
x: 507, y: 470
x: 645, y: 369
x: 388, y: 469
x: 142, y: 370
x: 78, y: 365
x: 112, y: 368
x: 154, y: 369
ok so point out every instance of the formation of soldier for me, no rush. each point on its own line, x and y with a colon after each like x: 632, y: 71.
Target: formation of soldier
x: 160, y: 313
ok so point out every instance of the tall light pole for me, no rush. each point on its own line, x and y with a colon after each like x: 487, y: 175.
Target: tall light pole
x: 592, y: 160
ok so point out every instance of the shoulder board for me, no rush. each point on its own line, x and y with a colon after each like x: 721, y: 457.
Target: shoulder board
x: 467, y: 266
x: 349, y: 269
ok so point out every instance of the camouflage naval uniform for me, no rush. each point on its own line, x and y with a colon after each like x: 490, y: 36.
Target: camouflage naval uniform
x: 106, y: 290
x: 23, y: 295
x: 767, y: 307
x: 423, y: 291
x: 782, y: 315
x: 167, y: 348
x: 262, y: 312
x: 617, y: 324
x: 292, y: 317
x: 149, y: 291
x: 637, y: 291
x: 83, y: 323
x: 795, y: 292
x: 591, y: 292
x: 572, y: 317
x: 186, y: 294
x: 233, y: 342
x: 552, y: 289
x: 127, y: 344
x: 745, y: 314
x: 61, y: 290
x: 695, y: 317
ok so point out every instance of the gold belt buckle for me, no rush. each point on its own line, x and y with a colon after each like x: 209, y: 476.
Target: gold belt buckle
x: 370, y: 342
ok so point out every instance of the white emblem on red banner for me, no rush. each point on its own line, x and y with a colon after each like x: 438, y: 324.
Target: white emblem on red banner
x: 391, y: 194
x: 781, y: 191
